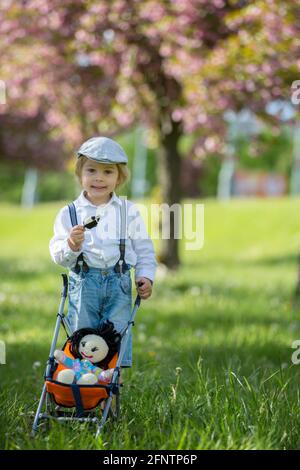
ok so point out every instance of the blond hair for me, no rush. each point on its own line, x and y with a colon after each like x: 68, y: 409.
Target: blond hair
x: 124, y: 173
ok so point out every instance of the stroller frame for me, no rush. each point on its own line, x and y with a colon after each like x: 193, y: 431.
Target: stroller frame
x: 112, y: 389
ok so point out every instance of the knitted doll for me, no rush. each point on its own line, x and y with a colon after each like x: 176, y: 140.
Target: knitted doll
x: 93, y: 349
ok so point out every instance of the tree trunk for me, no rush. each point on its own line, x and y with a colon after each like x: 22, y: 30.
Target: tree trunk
x: 169, y: 176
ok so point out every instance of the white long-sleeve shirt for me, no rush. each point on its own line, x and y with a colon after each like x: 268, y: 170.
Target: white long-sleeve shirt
x: 101, y: 244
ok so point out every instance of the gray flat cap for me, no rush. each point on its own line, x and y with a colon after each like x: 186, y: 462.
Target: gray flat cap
x: 103, y: 150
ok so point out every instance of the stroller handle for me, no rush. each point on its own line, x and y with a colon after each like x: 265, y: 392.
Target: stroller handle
x: 137, y: 300
x: 64, y: 291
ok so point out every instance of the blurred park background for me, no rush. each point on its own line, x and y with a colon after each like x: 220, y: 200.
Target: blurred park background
x: 204, y: 97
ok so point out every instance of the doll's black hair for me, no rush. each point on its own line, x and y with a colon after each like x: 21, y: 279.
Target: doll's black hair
x: 107, y: 332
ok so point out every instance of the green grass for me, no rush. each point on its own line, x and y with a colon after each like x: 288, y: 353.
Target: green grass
x: 212, y: 347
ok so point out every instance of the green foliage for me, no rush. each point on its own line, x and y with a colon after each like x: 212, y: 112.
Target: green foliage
x: 55, y: 186
x: 209, y: 182
x: 62, y: 185
x: 269, y: 151
x: 127, y: 140
x: 11, y: 181
x: 212, y: 347
x: 52, y: 186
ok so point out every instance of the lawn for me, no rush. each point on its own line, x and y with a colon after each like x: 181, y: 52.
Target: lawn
x: 212, y: 347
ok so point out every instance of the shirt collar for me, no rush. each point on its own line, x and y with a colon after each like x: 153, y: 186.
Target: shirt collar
x: 83, y: 201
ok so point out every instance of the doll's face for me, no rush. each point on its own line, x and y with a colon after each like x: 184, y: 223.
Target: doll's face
x: 93, y: 347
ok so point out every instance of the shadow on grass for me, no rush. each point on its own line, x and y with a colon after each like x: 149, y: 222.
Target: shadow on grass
x: 231, y: 261
x: 216, y: 329
x: 275, y: 260
x: 26, y: 368
x: 258, y: 362
x: 219, y: 319
x: 15, y: 269
x: 227, y: 290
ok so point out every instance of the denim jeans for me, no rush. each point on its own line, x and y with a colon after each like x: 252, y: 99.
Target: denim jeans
x: 99, y: 295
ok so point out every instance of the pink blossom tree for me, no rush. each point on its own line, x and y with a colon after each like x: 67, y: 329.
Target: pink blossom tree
x: 99, y: 67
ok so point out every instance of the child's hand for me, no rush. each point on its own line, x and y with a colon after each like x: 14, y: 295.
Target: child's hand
x: 76, y: 237
x: 143, y: 287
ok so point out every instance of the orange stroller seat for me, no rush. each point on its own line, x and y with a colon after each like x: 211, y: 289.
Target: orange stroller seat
x: 63, y: 394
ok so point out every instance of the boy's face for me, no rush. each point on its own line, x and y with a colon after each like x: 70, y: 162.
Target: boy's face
x: 99, y: 180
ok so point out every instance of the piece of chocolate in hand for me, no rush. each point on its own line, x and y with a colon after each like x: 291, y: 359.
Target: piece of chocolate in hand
x: 91, y: 222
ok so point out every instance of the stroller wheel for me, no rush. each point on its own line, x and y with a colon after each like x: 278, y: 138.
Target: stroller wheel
x: 42, y: 428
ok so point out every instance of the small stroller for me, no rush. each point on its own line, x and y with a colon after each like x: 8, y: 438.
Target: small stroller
x: 63, y: 402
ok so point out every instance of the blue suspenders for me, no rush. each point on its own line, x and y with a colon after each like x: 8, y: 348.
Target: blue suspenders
x: 120, y: 266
